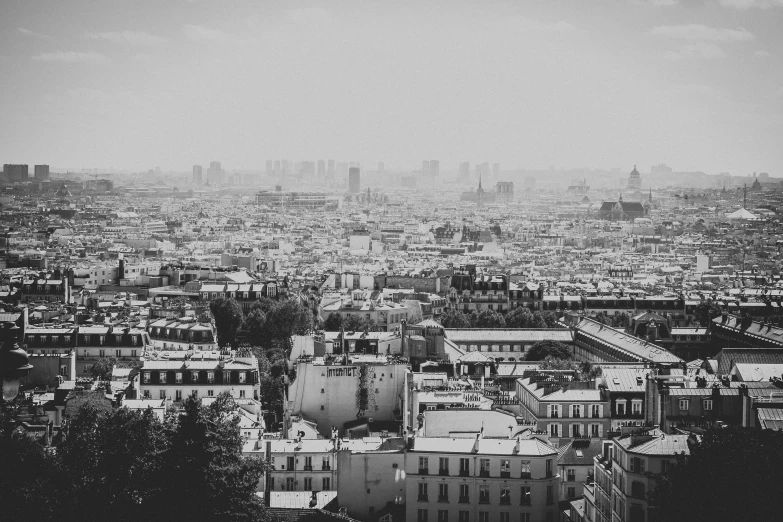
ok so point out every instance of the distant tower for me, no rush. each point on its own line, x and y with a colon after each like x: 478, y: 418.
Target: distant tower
x: 650, y: 198
x: 41, y: 172
x: 480, y: 194
x: 353, y: 180
x: 634, y: 180
x: 198, y: 174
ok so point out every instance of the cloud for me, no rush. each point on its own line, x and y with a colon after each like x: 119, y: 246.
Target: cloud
x: 28, y: 32
x: 90, y: 57
x: 699, y: 32
x: 132, y: 38
x: 199, y: 33
x: 696, y: 51
x: 751, y: 4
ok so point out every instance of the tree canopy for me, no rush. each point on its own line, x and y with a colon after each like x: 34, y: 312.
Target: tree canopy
x: 543, y: 349
x: 228, y: 318
x: 706, y: 311
x: 454, y: 319
x: 734, y: 473
x: 487, y: 319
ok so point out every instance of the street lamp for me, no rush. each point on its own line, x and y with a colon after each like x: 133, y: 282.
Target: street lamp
x: 14, y: 363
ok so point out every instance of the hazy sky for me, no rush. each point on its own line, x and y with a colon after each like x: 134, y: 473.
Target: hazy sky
x: 697, y: 84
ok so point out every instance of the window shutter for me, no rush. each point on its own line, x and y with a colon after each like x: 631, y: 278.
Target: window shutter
x: 601, y: 410
x: 600, y: 430
x: 571, y: 430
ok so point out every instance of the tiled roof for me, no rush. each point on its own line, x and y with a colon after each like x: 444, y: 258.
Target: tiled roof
x: 508, y: 335
x: 637, y: 347
x: 579, y: 452
x: 756, y: 329
x: 730, y: 356
x: 659, y: 444
x: 533, y: 447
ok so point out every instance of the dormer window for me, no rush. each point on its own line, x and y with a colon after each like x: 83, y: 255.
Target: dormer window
x: 146, y: 377
x: 194, y: 377
x: 135, y: 340
x: 118, y: 339
x: 210, y: 377
x: 242, y: 377
x: 162, y: 377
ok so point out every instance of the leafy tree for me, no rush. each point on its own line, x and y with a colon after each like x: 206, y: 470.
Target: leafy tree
x: 538, y: 320
x: 550, y: 318
x: 520, y: 317
x: 101, y: 369
x: 228, y: 318
x: 87, y: 399
x: 543, y: 349
x: 454, y: 319
x: 553, y: 363
x: 287, y: 318
x: 487, y: 319
x: 621, y: 320
x: 209, y: 477
x: 739, y: 467
x: 352, y: 323
x: 253, y: 326
x: 333, y: 322
x: 706, y: 311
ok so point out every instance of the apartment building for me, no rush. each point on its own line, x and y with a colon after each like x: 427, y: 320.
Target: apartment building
x: 183, y: 334
x: 481, y: 480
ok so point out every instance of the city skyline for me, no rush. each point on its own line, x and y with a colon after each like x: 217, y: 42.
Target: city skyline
x: 695, y: 84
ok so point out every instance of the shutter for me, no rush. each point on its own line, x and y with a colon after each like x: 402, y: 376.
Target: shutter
x: 571, y: 430
x: 600, y: 430
x: 601, y: 411
x: 559, y: 411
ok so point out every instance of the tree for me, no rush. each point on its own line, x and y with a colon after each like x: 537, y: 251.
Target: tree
x: 543, y: 349
x: 454, y: 319
x: 287, y: 318
x: 621, y: 320
x: 550, y: 319
x: 228, y: 318
x: 253, y: 326
x: 487, y: 319
x: 520, y: 317
x: 538, y: 320
x: 101, y: 369
x: 333, y: 322
x: 552, y: 363
x: 352, y: 323
x: 706, y: 311
x: 91, y: 399
x: 739, y: 467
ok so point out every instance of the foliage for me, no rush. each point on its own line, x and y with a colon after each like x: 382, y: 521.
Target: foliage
x: 101, y: 369
x: 538, y: 320
x: 454, y: 319
x: 126, y: 465
x: 333, y: 322
x: 615, y: 321
x: 520, y: 317
x: 553, y: 363
x: 739, y: 467
x: 253, y: 326
x: 92, y: 399
x: 706, y: 311
x: 543, y: 349
x: 487, y: 319
x: 228, y: 318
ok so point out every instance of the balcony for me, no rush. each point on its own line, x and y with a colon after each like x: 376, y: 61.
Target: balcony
x: 423, y: 498
x: 484, y: 499
x: 308, y: 468
x: 525, y: 475
x: 464, y: 473
x: 443, y: 498
x: 484, y: 473
x: 505, y: 474
x: 443, y: 472
x: 464, y: 500
x: 424, y: 471
x: 326, y: 468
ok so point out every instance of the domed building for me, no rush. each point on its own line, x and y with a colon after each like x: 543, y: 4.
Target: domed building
x: 635, y: 180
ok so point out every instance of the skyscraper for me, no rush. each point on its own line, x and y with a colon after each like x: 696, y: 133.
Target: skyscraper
x: 215, y: 173
x: 464, y: 171
x: 425, y: 168
x: 354, y: 185
x: 41, y: 172
x: 330, y: 169
x: 198, y: 174
x: 15, y: 173
x: 434, y: 168
x: 321, y: 169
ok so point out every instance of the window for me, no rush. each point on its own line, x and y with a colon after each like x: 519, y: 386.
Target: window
x: 443, y: 515
x: 194, y: 377
x: 664, y: 466
x: 550, y: 495
x: 102, y: 353
x: 525, y: 469
x: 524, y: 496
x: 621, y: 406
x: 464, y: 467
x: 308, y: 484
x: 421, y: 515
x: 326, y: 483
x: 325, y: 464
x: 571, y: 475
x: 505, y: 495
x: 289, y: 463
x: 242, y: 377
x: 548, y: 468
x: 637, y: 465
x: 443, y: 466
x: 162, y: 394
x: 483, y: 516
x: 595, y: 430
x: 505, y: 468
x: 524, y: 517
x: 210, y: 393
x: 178, y: 395
x: 483, y: 494
x: 133, y: 353
x: 504, y: 516
x: 210, y: 377
x: 424, y: 465
x: 443, y: 492
x: 289, y: 484
x: 684, y: 404
x: 637, y: 490
x: 576, y: 411
x: 571, y: 492
x: 707, y: 405
x: 484, y: 467
x: 464, y: 494
x: 147, y: 377
x: 241, y: 394
x: 554, y: 411
x: 463, y: 516
x: 162, y: 377
x: 178, y: 377
x: 423, y: 492
x: 554, y: 430
x: 636, y: 407
x: 194, y: 394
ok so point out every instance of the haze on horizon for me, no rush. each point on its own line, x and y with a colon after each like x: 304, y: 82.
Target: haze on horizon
x: 695, y: 84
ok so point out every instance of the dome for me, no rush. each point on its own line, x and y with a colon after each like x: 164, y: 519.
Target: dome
x: 634, y: 172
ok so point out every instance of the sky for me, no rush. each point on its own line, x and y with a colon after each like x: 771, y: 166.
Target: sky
x: 695, y: 84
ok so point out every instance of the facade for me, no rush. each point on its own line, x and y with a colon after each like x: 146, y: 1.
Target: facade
x: 41, y: 173
x: 215, y: 173
x: 481, y: 480
x: 509, y: 344
x: 596, y: 343
x: 470, y: 292
x: 198, y: 175
x: 563, y: 407
x: 294, y: 200
x: 179, y: 379
x: 96, y: 342
x: 621, y: 210
x: 505, y: 191
x: 182, y: 335
x: 634, y: 180
x: 46, y: 290
x: 15, y: 173
x: 575, y: 464
x: 388, y: 315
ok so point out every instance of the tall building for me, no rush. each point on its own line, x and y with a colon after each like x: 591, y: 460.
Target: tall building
x: 270, y: 167
x: 15, y: 173
x: 425, y: 168
x: 464, y: 171
x: 353, y: 180
x: 198, y: 174
x: 434, y: 168
x: 215, y: 173
x: 330, y: 169
x: 41, y: 172
x: 321, y: 169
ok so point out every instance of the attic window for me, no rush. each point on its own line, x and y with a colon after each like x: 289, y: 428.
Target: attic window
x: 579, y: 453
